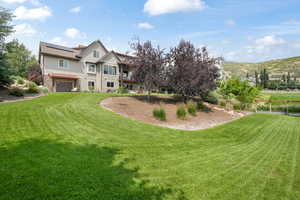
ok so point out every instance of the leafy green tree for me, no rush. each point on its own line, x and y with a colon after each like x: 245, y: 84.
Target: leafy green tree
x: 18, y: 58
x: 241, y: 90
x: 5, y: 30
x: 288, y: 79
x: 256, y: 79
x: 264, y: 78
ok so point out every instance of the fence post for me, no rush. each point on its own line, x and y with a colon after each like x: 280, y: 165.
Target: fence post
x: 270, y: 107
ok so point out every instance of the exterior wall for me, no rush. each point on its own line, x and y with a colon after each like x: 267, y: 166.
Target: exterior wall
x: 88, y: 54
x: 49, y: 64
x: 110, y: 60
x: 48, y: 82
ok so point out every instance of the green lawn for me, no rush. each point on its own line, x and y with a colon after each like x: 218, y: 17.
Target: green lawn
x: 282, y: 97
x: 65, y: 147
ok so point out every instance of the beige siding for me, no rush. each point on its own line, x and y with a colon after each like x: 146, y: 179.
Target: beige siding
x: 51, y: 66
x: 88, y: 54
x: 110, y: 60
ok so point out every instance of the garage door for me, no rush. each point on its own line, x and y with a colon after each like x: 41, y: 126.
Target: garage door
x: 64, y: 86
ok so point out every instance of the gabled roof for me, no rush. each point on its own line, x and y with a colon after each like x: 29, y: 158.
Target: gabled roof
x: 124, y: 55
x: 60, y: 51
x: 107, y: 55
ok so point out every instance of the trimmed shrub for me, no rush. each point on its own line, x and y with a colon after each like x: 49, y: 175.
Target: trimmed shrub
x: 18, y: 80
x: 181, y: 112
x: 290, y: 108
x: 192, y: 108
x: 211, y: 98
x: 16, y: 91
x: 160, y: 114
x: 43, y: 90
x: 122, y: 90
x: 32, y: 87
x: 239, y: 106
x: 222, y: 103
x: 202, y: 107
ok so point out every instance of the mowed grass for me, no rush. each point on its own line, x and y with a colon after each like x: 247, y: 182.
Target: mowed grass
x: 282, y: 97
x: 66, y: 147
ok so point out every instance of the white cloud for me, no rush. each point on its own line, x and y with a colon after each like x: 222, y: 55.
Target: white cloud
x: 13, y: 1
x: 59, y: 41
x: 75, y: 9
x: 291, y: 22
x: 33, y: 2
x: 270, y: 40
x: 158, y: 7
x: 145, y: 26
x: 226, y: 42
x: 24, y: 30
x: 40, y: 13
x: 74, y: 33
x: 230, y: 22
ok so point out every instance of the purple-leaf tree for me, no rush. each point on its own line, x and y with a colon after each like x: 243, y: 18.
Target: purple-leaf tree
x: 191, y: 71
x: 149, y: 63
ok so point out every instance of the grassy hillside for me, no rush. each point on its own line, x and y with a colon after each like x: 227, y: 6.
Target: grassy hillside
x: 280, y: 66
x: 65, y: 146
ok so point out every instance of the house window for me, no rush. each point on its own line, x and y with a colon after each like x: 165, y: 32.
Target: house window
x: 63, y: 63
x: 91, y: 68
x: 91, y: 85
x: 96, y: 54
x: 110, y: 84
x: 111, y: 70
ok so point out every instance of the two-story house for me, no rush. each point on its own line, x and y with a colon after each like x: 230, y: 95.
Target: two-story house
x: 86, y: 68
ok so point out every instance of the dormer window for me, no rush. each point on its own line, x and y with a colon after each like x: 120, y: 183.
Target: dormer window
x: 96, y: 54
x: 91, y: 68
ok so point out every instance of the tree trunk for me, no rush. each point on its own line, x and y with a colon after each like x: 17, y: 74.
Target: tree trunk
x: 149, y: 95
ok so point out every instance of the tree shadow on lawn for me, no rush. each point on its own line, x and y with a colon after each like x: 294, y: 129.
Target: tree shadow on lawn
x: 43, y: 169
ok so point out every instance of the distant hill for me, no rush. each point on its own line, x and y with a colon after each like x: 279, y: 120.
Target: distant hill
x: 275, y: 67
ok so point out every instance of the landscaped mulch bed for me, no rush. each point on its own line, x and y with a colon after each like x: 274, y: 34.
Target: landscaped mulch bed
x: 6, y: 98
x: 140, y: 109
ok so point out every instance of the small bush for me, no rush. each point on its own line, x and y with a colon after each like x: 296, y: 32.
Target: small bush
x: 223, y: 104
x: 32, y: 87
x: 18, y: 80
x: 43, y: 90
x: 181, y: 113
x: 239, y: 106
x: 202, y: 107
x: 192, y: 108
x: 211, y: 98
x: 122, y: 90
x: 16, y: 91
x: 160, y: 114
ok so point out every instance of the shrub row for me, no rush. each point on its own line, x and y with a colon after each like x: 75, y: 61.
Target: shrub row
x: 182, y: 111
x: 291, y: 108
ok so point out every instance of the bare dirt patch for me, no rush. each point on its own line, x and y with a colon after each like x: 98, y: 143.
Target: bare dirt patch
x: 138, y: 108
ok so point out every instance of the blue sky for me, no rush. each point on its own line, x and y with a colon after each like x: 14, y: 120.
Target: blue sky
x: 238, y: 30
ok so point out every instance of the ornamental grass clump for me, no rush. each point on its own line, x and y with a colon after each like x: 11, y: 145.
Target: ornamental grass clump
x: 192, y: 108
x: 160, y: 114
x: 181, y: 112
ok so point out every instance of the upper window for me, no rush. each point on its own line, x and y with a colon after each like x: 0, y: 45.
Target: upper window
x: 91, y: 68
x: 96, y: 54
x: 63, y: 63
x: 111, y: 70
